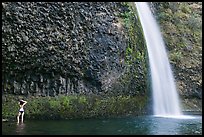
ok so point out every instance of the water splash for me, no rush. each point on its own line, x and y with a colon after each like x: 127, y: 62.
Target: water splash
x: 165, y: 96
x: 177, y: 116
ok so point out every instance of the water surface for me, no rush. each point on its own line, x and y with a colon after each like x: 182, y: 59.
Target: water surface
x: 140, y: 125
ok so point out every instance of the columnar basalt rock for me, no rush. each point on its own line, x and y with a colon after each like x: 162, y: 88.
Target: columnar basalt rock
x: 51, y: 48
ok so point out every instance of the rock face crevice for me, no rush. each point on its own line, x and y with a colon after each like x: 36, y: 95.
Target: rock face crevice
x: 51, y: 48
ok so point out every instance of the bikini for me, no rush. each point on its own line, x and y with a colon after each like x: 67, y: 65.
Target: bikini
x: 21, y: 110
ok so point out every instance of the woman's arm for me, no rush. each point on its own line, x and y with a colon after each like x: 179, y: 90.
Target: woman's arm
x: 24, y: 102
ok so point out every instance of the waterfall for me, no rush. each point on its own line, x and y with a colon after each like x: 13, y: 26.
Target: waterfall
x: 165, y: 96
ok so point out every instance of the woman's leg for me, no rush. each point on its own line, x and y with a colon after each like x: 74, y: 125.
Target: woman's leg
x: 22, y: 115
x: 18, y: 116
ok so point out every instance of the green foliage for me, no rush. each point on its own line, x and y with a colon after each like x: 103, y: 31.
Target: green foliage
x: 129, y: 50
x: 136, y: 53
x: 185, y: 8
x: 176, y: 56
x: 164, y: 16
x: 182, y: 29
x: 194, y: 22
x: 9, y: 107
x: 76, y: 106
x: 135, y: 34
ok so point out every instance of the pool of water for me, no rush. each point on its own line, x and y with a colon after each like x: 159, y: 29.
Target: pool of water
x: 140, y: 125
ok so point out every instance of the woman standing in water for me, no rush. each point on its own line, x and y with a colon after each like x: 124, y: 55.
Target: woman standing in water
x: 21, y: 110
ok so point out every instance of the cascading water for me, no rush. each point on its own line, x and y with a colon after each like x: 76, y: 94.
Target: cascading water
x: 165, y: 96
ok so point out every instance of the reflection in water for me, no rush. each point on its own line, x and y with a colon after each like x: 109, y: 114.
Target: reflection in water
x: 20, y: 128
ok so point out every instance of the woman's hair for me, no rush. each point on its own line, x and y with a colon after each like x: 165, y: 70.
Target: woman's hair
x: 21, y: 102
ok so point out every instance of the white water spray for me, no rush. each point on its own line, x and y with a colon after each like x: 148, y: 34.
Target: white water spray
x: 165, y: 96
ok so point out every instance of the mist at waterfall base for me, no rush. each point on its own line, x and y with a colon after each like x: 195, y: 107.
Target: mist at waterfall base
x: 165, y: 97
